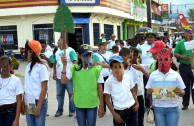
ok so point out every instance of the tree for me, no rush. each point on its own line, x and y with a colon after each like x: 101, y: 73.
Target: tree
x: 190, y: 13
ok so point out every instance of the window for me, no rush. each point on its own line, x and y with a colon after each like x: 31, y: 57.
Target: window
x: 108, y: 30
x: 119, y: 32
x: 44, y: 31
x: 8, y: 37
x: 96, y: 32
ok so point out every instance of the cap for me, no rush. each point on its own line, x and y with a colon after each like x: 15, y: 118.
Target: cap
x: 157, y: 45
x: 35, y: 46
x: 84, y: 49
x: 116, y: 58
x: 103, y: 40
x: 151, y: 32
x: 113, y: 35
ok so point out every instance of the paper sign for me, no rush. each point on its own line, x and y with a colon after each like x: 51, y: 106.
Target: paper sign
x: 30, y: 104
x: 1, y: 39
x: 163, y: 90
x: 189, y: 45
x: 4, y: 66
x: 4, y: 39
x: 10, y: 39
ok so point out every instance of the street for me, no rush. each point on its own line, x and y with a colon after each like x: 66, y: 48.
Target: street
x: 186, y: 117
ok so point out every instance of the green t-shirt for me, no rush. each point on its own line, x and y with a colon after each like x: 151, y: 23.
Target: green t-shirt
x: 85, y: 84
x: 180, y: 49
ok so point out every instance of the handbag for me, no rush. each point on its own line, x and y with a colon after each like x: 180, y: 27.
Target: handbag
x: 150, y: 115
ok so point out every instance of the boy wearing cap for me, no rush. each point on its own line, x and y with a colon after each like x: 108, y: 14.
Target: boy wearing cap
x: 119, y: 87
x: 58, y: 66
x: 103, y: 36
x: 101, y: 58
x: 112, y: 42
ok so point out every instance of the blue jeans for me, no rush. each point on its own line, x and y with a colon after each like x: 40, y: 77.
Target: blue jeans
x: 38, y: 121
x: 7, y: 116
x: 166, y: 116
x: 61, y: 94
x: 86, y: 116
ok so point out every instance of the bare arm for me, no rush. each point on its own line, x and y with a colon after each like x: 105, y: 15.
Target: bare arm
x: 184, y: 57
x: 135, y: 88
x: 102, y: 64
x: 18, y: 110
x: 64, y: 78
x: 101, y: 106
x: 116, y: 116
x: 136, y: 107
x: 140, y: 68
x: 192, y: 61
x: 41, y: 98
x: 54, y: 71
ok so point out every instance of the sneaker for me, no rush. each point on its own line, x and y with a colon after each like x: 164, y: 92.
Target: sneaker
x: 58, y: 114
x: 71, y: 114
x: 184, y: 107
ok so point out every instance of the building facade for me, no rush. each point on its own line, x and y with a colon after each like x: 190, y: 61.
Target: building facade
x: 22, y: 20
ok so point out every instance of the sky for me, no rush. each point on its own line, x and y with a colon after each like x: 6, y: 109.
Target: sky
x: 181, y: 5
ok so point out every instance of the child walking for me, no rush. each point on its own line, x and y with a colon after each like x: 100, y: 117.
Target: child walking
x: 36, y: 85
x: 120, y: 88
x: 87, y: 84
x: 10, y: 94
x: 166, y: 112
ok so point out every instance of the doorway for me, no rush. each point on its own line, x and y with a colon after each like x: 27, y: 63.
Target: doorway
x: 76, y: 39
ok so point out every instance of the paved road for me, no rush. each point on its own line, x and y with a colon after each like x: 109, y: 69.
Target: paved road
x: 186, y: 117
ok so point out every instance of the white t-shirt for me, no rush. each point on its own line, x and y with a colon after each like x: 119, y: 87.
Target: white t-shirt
x: 49, y: 55
x: 138, y: 46
x: 98, y: 57
x: 9, y: 88
x: 111, y: 44
x: 140, y: 87
x: 33, y: 79
x: 133, y: 74
x: 120, y: 92
x: 70, y: 55
x: 146, y: 57
x: 170, y: 76
x: 100, y: 78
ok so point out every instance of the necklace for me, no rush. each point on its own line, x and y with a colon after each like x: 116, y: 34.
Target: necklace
x: 1, y: 84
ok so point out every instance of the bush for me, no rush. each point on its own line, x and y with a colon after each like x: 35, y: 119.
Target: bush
x: 15, y: 64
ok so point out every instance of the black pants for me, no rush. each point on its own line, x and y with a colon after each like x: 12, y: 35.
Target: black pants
x: 147, y: 101
x: 141, y: 110
x: 128, y: 116
x: 105, y: 78
x: 187, y: 76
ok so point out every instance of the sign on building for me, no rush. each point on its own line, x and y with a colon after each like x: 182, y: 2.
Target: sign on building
x: 80, y: 2
x: 164, y: 11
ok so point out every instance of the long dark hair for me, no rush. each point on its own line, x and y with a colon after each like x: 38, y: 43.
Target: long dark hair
x: 79, y: 64
x: 35, y: 59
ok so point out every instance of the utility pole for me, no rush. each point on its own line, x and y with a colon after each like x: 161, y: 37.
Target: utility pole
x: 149, y: 17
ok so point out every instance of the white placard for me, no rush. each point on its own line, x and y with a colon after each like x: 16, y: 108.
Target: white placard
x: 189, y: 45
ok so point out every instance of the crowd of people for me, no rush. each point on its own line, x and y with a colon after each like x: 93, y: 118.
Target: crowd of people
x: 118, y: 76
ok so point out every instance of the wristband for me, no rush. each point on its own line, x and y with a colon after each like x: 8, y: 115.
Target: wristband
x: 63, y: 72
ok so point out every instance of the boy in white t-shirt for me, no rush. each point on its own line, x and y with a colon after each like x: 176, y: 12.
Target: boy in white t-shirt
x: 10, y: 94
x: 58, y: 67
x: 120, y: 88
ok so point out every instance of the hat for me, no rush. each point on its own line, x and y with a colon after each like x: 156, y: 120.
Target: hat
x: 157, y: 45
x: 35, y: 46
x: 103, y: 34
x: 151, y: 32
x: 116, y: 58
x: 103, y: 40
x: 113, y: 35
x: 84, y: 49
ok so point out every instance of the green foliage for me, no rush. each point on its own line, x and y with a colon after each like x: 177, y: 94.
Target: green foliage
x: 190, y: 13
x: 63, y: 12
x: 15, y: 64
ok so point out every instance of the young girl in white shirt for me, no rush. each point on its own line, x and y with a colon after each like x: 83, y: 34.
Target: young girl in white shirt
x: 10, y: 95
x: 166, y: 112
x: 36, y: 84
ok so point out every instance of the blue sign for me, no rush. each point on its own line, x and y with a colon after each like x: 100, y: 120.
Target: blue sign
x: 80, y: 2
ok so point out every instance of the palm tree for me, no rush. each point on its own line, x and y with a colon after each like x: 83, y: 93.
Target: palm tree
x: 190, y: 13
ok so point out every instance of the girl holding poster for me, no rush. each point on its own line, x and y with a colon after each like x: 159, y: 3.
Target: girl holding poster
x: 166, y: 111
